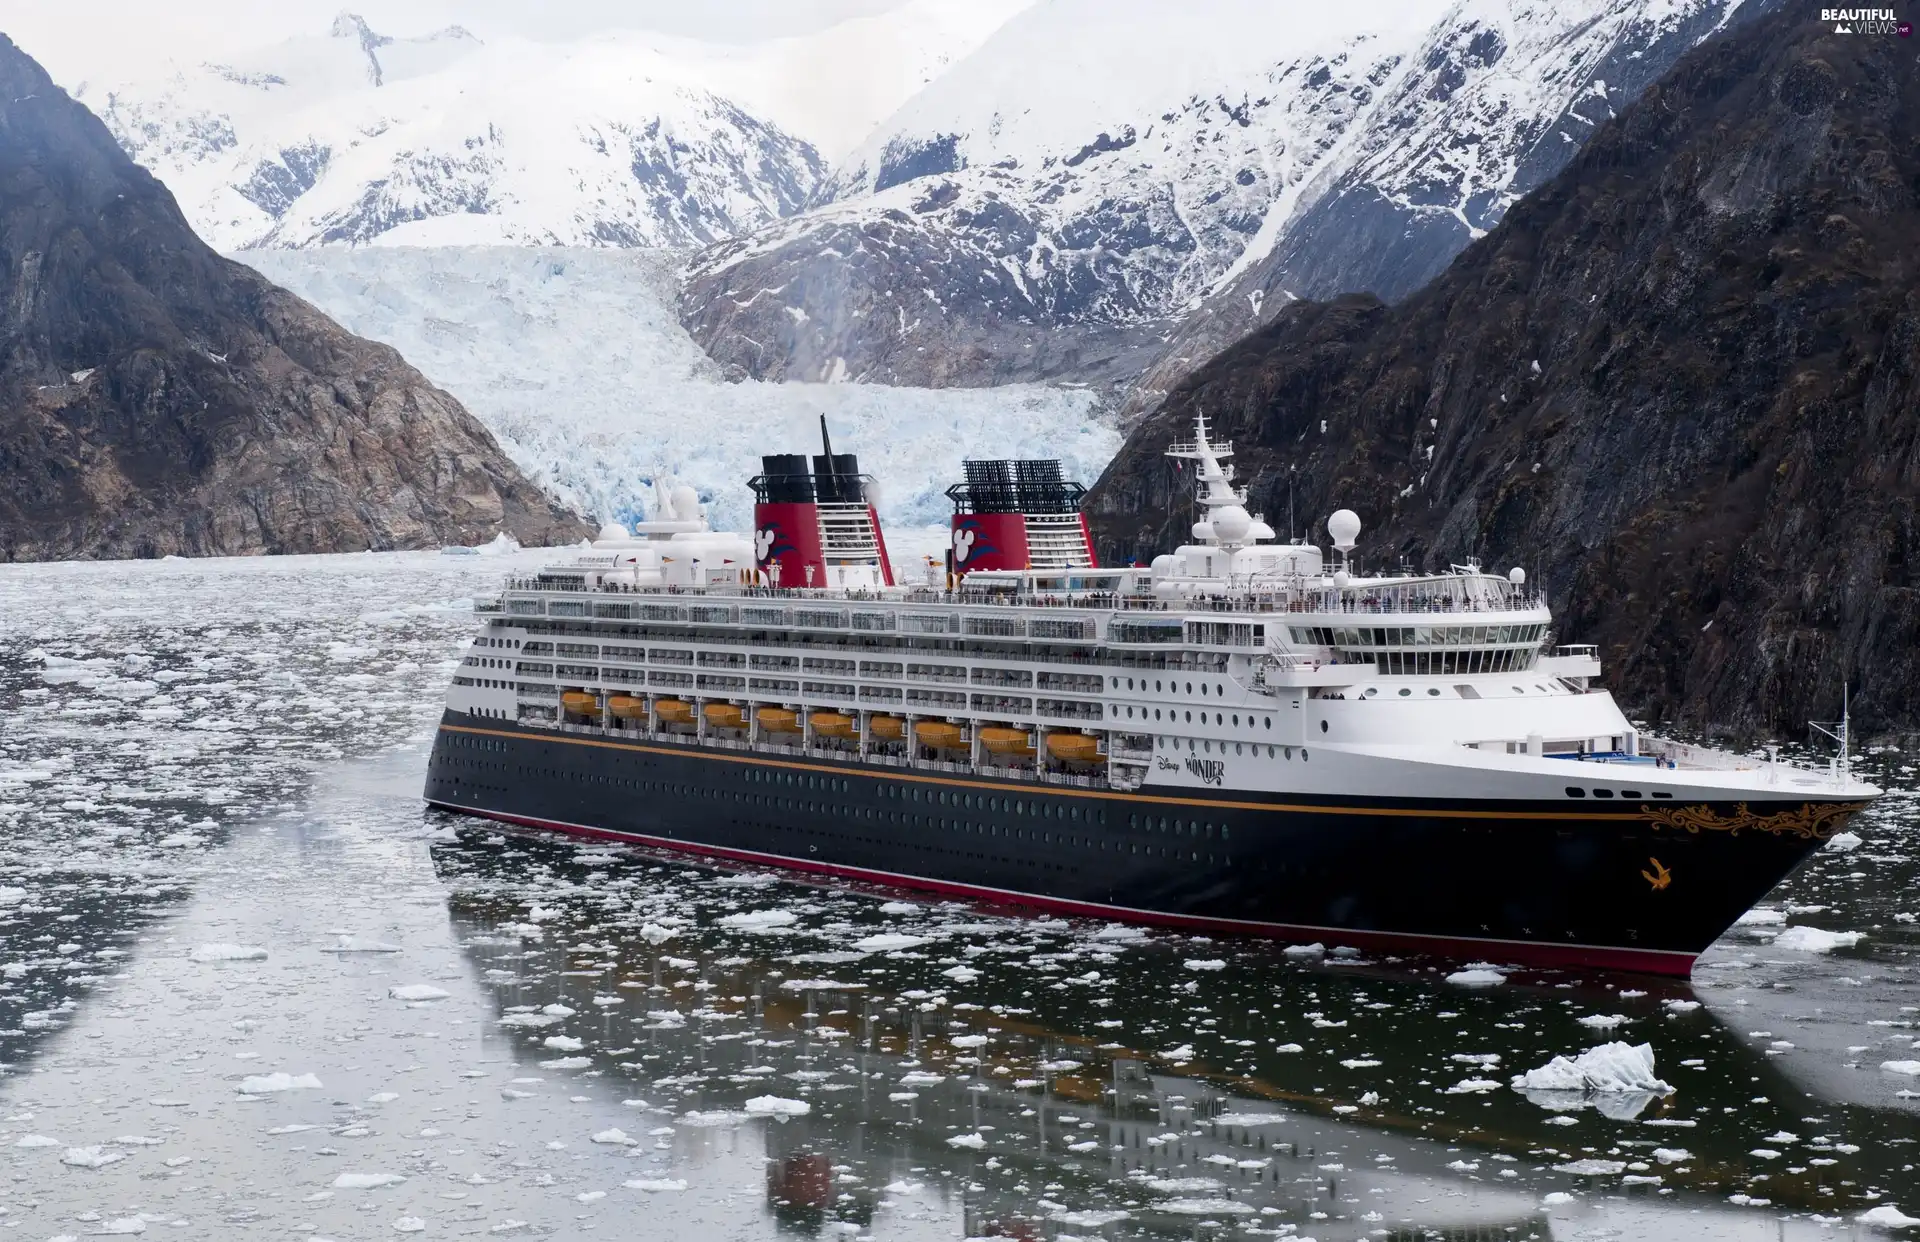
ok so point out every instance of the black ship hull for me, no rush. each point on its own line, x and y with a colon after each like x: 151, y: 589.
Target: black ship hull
x: 1627, y: 887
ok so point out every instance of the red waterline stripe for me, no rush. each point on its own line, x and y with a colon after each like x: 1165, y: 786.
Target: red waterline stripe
x: 1672, y: 962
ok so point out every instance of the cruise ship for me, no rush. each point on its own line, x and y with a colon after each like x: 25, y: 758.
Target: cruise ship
x: 1248, y: 736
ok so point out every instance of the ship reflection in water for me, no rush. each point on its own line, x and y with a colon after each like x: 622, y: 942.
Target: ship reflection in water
x: 910, y: 1069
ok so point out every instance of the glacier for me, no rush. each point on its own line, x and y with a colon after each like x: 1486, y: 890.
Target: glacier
x: 575, y: 360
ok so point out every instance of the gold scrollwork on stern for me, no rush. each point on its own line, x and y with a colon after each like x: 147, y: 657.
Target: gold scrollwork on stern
x: 1813, y: 821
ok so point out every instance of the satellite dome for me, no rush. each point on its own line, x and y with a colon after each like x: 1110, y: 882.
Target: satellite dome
x: 1344, y: 526
x: 685, y: 503
x: 613, y: 530
x: 1517, y: 576
x: 1232, y: 524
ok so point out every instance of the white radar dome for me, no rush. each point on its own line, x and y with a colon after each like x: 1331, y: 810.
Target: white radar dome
x: 613, y: 530
x: 1232, y: 524
x: 1517, y: 576
x: 685, y: 502
x: 1344, y: 526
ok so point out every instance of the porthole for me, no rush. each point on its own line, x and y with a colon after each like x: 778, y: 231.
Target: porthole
x: 1603, y: 793
x: 1189, y: 717
x: 1269, y: 722
x: 1189, y: 687
x: 1371, y: 691
x: 1323, y: 726
x: 1404, y: 692
x: 1236, y: 721
x: 1433, y: 692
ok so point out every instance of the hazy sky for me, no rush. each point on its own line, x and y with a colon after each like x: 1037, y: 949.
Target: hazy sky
x: 78, y: 39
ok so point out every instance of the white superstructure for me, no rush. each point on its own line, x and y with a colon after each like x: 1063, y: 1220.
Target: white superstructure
x: 1235, y: 662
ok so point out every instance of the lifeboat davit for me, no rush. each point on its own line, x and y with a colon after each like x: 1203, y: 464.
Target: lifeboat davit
x: 937, y: 733
x: 886, y: 728
x: 725, y: 716
x: 576, y: 703
x: 832, y: 724
x: 626, y: 707
x: 1081, y: 747
x: 778, y: 720
x: 999, y: 740
x: 673, y: 711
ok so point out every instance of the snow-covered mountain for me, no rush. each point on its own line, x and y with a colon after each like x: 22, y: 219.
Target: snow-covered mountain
x: 356, y: 137
x: 625, y: 139
x: 1098, y: 170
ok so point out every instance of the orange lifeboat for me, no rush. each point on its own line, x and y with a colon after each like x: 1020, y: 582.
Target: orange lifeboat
x: 886, y: 728
x: 937, y: 733
x: 778, y: 720
x: 725, y: 716
x: 832, y: 724
x: 1080, y: 747
x: 577, y: 703
x: 626, y: 707
x: 673, y: 711
x: 999, y: 740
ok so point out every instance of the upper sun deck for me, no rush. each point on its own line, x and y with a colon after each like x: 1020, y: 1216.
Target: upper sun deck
x: 1464, y: 592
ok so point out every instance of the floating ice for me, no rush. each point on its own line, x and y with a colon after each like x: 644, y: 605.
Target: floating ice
x: 409, y: 1224
x: 1207, y: 1207
x: 1178, y: 1056
x: 1205, y: 963
x: 656, y: 1185
x: 1592, y: 1168
x: 1316, y: 949
x: 899, y: 907
x: 267, y: 1084
x: 1909, y: 1068
x: 760, y: 920
x: 1250, y: 1119
x: 92, y: 1157
x: 775, y: 1106
x: 1671, y: 1155
x: 1120, y: 933
x: 366, y: 1181
x: 921, y: 1078
x: 1473, y: 1086
x: 821, y: 985
x: 567, y: 1063
x: 227, y: 953
x: 972, y: 1141
x: 614, y: 1138
x: 417, y: 992
x: 1844, y: 842
x: 655, y: 934
x: 711, y: 1119
x: 961, y: 974
x: 1477, y: 978
x: 887, y: 943
x: 563, y: 1043
x: 529, y: 1019
x: 35, y: 1140
x: 1184, y: 1185
x: 1815, y: 940
x: 1761, y: 916
x: 1603, y: 1021
x: 1616, y: 1066
x: 1887, y: 1214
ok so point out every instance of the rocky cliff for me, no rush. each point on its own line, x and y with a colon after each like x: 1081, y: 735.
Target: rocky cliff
x: 156, y: 398
x: 1680, y: 383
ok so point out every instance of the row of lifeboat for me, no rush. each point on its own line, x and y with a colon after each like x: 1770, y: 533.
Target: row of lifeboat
x: 939, y: 734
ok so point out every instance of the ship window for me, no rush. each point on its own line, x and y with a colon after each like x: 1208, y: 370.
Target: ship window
x: 1661, y: 793
x: 1189, y: 687
x: 1434, y: 692
x: 1574, y: 791
x: 1189, y: 717
x: 1603, y: 793
x: 1236, y: 721
x: 1269, y: 720
x: 1323, y: 726
x: 1156, y: 685
x: 1404, y: 692
x: 1629, y: 793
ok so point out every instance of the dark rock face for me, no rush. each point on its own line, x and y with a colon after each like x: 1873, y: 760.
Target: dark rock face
x: 156, y: 398
x: 1680, y: 384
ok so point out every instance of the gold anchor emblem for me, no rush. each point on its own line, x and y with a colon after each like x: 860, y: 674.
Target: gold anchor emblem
x: 1659, y: 877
